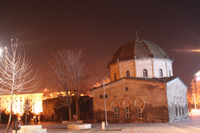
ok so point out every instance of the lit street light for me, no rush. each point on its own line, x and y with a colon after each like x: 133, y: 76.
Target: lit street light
x: 105, y: 102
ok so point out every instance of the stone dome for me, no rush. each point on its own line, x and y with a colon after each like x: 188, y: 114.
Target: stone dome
x: 137, y: 50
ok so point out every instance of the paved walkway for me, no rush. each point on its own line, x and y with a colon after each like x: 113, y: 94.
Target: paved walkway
x: 187, y: 126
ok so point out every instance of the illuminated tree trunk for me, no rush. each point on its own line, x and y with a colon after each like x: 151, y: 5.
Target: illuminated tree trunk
x: 9, y: 120
x: 77, y: 110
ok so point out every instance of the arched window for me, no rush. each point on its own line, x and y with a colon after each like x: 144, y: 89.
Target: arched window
x: 161, y: 73
x: 115, y: 76
x: 180, y: 110
x: 145, y: 73
x: 127, y: 74
x: 170, y: 73
x: 176, y: 109
x: 139, y: 104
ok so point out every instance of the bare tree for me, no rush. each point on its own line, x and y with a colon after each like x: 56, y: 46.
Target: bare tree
x: 71, y: 75
x: 17, y: 75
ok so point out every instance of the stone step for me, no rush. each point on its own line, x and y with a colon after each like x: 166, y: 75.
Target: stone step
x: 31, y: 127
x: 79, y: 126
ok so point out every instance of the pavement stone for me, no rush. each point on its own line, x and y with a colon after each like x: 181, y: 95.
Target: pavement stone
x: 191, y: 125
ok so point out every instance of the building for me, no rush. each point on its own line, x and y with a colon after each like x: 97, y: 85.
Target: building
x: 18, y: 107
x: 194, y: 95
x: 35, y: 101
x: 142, y: 87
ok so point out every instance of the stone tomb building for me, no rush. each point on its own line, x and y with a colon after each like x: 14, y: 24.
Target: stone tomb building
x: 142, y: 87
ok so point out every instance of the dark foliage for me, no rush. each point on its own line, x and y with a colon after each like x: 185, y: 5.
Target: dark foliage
x: 4, y: 117
x: 86, y: 109
x: 29, y: 116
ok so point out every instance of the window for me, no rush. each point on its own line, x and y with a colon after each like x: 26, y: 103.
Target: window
x: 182, y: 111
x: 140, y: 113
x: 170, y: 73
x: 127, y: 74
x: 101, y: 96
x: 161, y: 73
x: 176, y: 109
x: 116, y: 112
x: 106, y: 96
x: 126, y: 89
x: 145, y: 73
x: 128, y: 112
x: 115, y: 76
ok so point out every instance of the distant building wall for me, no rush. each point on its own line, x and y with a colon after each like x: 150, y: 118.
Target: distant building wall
x: 48, y: 109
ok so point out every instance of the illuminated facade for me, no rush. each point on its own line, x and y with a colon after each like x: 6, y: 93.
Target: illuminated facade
x: 35, y: 101
x: 18, y: 107
x: 195, y: 86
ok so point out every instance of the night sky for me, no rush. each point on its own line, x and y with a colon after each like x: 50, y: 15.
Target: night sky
x: 99, y: 28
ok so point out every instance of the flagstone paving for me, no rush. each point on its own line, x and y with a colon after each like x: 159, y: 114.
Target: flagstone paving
x: 191, y: 125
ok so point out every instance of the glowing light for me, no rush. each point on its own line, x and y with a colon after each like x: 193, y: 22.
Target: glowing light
x: 187, y: 50
x: 198, y: 79
x: 19, y: 104
x: 1, y: 51
x: 198, y: 74
x: 37, y: 107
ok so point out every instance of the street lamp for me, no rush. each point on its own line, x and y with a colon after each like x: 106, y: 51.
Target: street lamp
x: 105, y: 102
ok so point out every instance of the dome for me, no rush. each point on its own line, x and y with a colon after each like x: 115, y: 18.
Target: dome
x: 137, y: 50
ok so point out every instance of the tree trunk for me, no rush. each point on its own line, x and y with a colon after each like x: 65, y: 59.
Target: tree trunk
x: 9, y: 121
x: 70, y: 113
x: 77, y: 110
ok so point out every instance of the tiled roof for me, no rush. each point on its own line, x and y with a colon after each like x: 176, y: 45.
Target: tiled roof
x: 138, y: 49
x: 163, y: 80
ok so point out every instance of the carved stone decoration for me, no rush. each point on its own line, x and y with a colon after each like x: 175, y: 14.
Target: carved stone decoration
x: 139, y: 103
x: 115, y: 103
x: 127, y: 103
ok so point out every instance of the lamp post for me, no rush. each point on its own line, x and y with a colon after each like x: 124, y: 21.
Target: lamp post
x: 105, y: 102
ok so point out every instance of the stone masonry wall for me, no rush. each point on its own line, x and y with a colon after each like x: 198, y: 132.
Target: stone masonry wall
x: 153, y: 94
